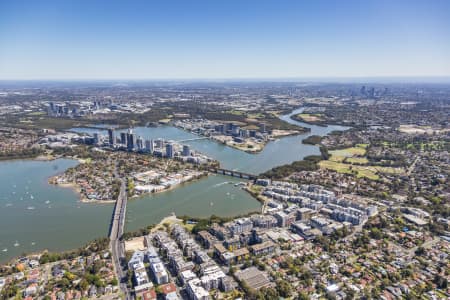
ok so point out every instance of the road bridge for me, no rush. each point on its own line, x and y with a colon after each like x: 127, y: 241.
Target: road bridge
x: 115, y: 232
x: 234, y: 173
x: 194, y: 139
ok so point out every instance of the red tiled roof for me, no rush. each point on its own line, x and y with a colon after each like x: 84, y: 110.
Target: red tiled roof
x: 149, y: 295
x: 168, y: 288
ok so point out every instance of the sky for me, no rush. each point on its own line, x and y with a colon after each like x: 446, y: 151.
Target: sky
x: 196, y: 39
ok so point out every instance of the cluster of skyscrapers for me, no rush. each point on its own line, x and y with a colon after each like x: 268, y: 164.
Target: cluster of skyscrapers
x: 70, y: 109
x: 131, y: 142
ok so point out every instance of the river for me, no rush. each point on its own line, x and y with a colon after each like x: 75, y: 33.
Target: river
x: 35, y: 215
x: 282, y: 151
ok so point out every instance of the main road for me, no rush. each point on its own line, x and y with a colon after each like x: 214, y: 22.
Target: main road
x: 116, y: 231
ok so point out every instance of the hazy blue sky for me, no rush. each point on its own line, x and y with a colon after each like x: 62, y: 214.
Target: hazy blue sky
x: 89, y: 39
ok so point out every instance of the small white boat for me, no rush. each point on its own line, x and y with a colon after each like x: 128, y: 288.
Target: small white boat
x: 31, y: 197
x: 33, y: 243
x: 30, y: 207
x: 8, y: 204
x: 5, y: 250
x: 47, y: 202
x: 211, y: 203
x: 16, y: 244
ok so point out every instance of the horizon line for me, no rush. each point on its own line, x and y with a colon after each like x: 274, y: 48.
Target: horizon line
x: 402, y: 78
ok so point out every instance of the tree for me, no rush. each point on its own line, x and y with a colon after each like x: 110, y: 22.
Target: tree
x: 83, y: 284
x: 64, y: 284
x: 267, y: 294
x: 420, y: 251
x: 114, y: 282
x: 284, y: 289
x: 376, y: 233
x: 302, y: 296
x: 441, y: 282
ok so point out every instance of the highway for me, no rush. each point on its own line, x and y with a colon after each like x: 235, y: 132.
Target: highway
x: 116, y: 231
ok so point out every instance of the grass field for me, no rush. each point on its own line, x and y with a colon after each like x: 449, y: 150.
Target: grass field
x: 336, y: 158
x: 369, y: 172
x: 365, y: 146
x: 352, y: 161
x: 255, y: 116
x: 310, y: 117
x: 349, y: 152
x: 357, y: 160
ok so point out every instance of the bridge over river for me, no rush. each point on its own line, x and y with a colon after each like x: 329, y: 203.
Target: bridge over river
x: 194, y: 139
x: 234, y: 173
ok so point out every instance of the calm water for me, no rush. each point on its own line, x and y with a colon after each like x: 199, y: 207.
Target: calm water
x: 276, y: 153
x: 35, y: 215
x: 203, y: 198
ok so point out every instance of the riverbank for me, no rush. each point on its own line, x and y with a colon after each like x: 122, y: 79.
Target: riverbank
x: 251, y: 140
x: 56, y: 218
x: 77, y: 189
x: 259, y: 147
x: 28, y: 157
x: 171, y: 187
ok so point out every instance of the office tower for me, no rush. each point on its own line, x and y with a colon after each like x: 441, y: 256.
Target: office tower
x: 111, y: 136
x: 159, y: 143
x: 263, y: 127
x: 131, y: 140
x: 220, y: 128
x: 140, y: 144
x: 371, y: 93
x: 123, y: 138
x: 235, y: 130
x: 96, y: 138
x: 363, y: 90
x: 149, y: 146
x: 169, y: 150
x: 52, y: 106
x: 186, y: 150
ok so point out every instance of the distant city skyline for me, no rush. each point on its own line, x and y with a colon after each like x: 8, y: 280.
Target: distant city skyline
x: 165, y: 40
